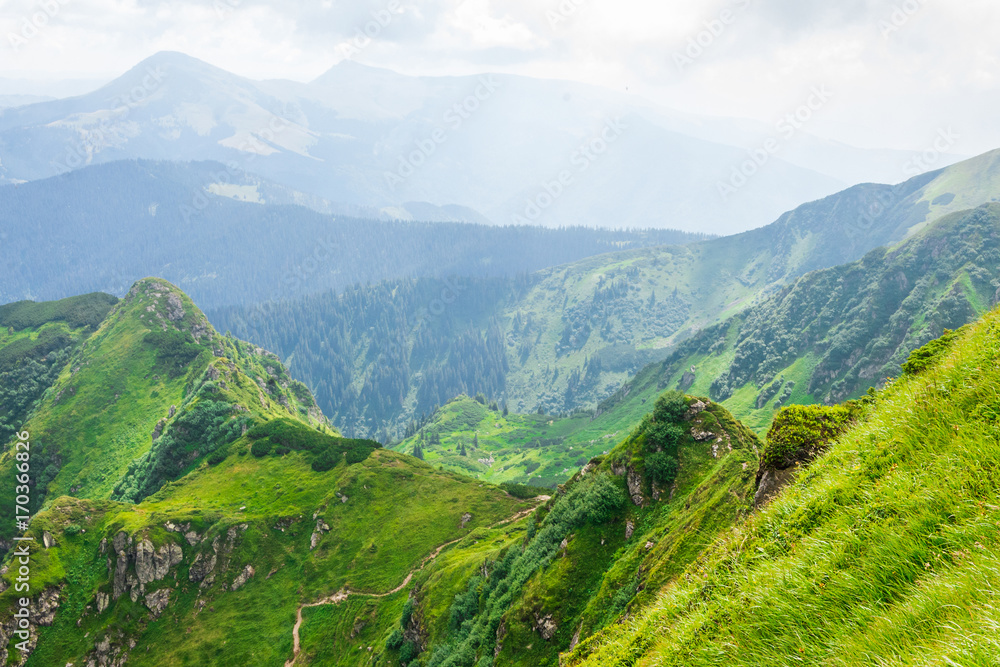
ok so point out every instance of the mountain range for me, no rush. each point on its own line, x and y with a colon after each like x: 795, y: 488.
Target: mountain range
x: 247, y: 530
x: 366, y: 137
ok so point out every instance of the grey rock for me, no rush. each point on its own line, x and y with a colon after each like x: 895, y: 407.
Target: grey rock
x: 145, y: 562
x: 158, y: 429
x: 157, y: 601
x: 121, y: 573
x: 202, y: 567
x: 635, y: 488
x: 103, y: 600
x: 545, y: 626
x: 47, y: 540
x: 243, y: 577
x: 192, y: 538
x: 629, y: 529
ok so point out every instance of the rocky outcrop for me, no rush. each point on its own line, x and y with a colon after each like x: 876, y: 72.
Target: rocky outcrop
x: 545, y: 626
x: 242, y: 578
x: 145, y: 569
x: 141, y: 564
x: 798, y: 436
x: 203, y: 568
x: 634, y: 481
x: 629, y: 529
x: 119, y: 585
x: 157, y: 601
x: 321, y: 528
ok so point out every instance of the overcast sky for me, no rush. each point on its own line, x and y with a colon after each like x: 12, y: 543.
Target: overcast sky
x: 900, y: 70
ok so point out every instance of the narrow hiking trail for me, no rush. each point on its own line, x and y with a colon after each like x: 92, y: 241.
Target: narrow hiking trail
x: 345, y: 593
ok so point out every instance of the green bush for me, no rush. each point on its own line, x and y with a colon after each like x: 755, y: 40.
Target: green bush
x: 395, y: 640
x: 663, y: 435
x: 923, y: 357
x: 524, y: 491
x: 661, y: 468
x: 800, y: 427
x: 280, y: 436
x: 670, y: 407
x: 175, y: 350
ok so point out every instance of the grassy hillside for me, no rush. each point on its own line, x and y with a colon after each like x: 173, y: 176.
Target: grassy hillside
x: 249, y: 540
x: 571, y: 336
x: 601, y: 547
x: 833, y: 334
x: 36, y: 342
x: 112, y: 421
x: 884, y: 552
x: 185, y: 479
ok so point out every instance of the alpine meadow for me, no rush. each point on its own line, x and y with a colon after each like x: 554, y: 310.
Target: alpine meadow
x: 499, y: 334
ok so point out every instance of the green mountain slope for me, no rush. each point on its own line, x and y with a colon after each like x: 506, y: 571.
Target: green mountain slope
x: 835, y: 333
x: 603, y: 545
x: 571, y: 336
x: 212, y: 569
x: 153, y: 368
x: 884, y: 551
x: 36, y: 341
x: 194, y: 482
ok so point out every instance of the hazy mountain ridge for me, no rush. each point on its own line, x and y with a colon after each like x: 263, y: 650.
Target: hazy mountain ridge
x: 113, y: 224
x: 346, y: 138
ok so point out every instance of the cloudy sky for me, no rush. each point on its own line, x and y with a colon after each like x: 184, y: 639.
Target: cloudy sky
x: 899, y: 70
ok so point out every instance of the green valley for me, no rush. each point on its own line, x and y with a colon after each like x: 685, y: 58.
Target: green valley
x: 569, y: 337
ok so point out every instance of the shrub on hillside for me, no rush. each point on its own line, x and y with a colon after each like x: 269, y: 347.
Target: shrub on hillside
x: 924, y: 357
x: 661, y: 468
x: 281, y: 436
x: 806, y: 428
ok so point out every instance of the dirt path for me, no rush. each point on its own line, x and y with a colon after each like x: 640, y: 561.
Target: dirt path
x: 345, y: 593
